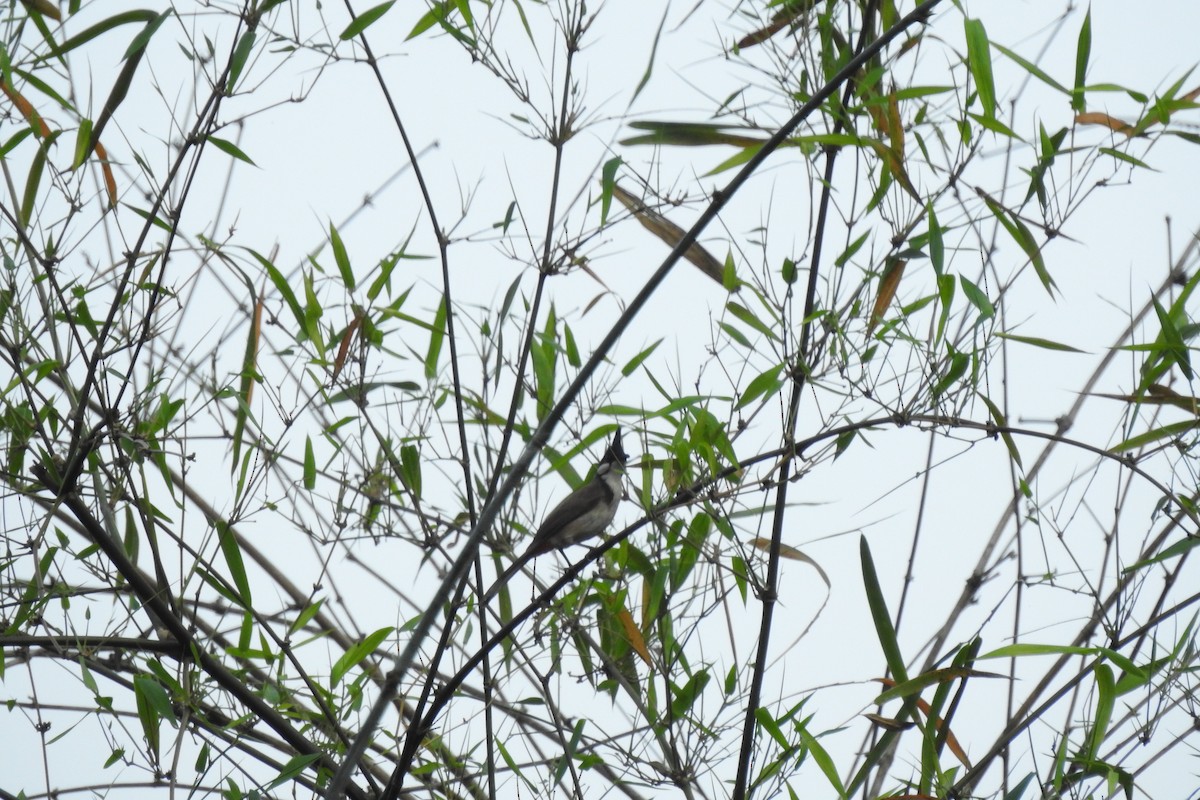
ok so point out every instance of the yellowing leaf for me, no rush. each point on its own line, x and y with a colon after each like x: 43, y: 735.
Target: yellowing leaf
x: 636, y: 640
x: 671, y: 233
x: 791, y: 14
x: 790, y: 553
x: 888, y: 285
x: 890, y: 723
x: 1100, y: 118
x: 43, y: 7
x: 344, y: 348
x: 27, y: 111
x: 951, y: 739
x: 110, y: 183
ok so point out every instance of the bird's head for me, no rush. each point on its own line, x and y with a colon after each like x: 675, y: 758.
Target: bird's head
x: 615, y: 456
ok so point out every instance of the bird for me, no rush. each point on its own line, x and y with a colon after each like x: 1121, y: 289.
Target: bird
x: 584, y: 513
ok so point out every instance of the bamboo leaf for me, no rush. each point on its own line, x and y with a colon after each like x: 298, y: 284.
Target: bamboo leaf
x: 1002, y: 422
x: 410, y: 463
x: 241, y: 54
x: 671, y: 233
x: 310, y: 465
x: 608, y: 179
x: 916, y: 685
x: 226, y: 146
x: 1083, y: 51
x: 889, y: 283
x: 104, y: 26
x: 366, y: 19
x: 356, y: 654
x: 1151, y: 436
x: 1106, y: 699
x: 281, y: 285
x: 792, y: 554
x: 634, y: 634
x: 979, y: 61
x: 233, y: 559
x: 978, y: 298
x: 766, y: 383
x: 437, y: 335
x: 33, y: 182
x: 880, y: 615
x: 341, y: 258
x: 1023, y: 237
x: 1045, y: 344
x: 339, y: 360
x: 637, y: 360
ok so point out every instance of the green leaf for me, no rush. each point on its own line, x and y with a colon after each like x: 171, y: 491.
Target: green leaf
x: 229, y: 147
x: 365, y: 20
x: 439, y: 14
x: 959, y: 362
x: 608, y: 179
x: 995, y: 126
x: 824, y: 760
x: 1176, y: 349
x: 746, y: 316
x: 312, y: 315
x: 637, y: 360
x: 1176, y: 550
x: 410, y: 462
x: 1021, y: 650
x: 937, y: 677
x: 1083, y: 51
x: 503, y: 224
x: 339, y: 256
x: 1023, y: 237
x: 153, y: 706
x: 979, y: 61
x: 1165, y: 432
x: 82, y: 139
x: 736, y: 335
x: 233, y: 559
x: 572, y: 348
x: 684, y: 698
x: 33, y: 182
x: 880, y: 615
x: 1032, y: 69
x: 281, y: 285
x: 157, y: 222
x: 978, y: 298
x: 294, y: 767
x: 310, y: 465
x: 436, y: 336
x: 766, y: 383
x: 512, y: 764
x: 241, y: 54
x: 1045, y: 344
x: 1125, y: 157
x: 355, y: 655
x: 305, y: 616
x: 1106, y: 698
x: 946, y: 289
x: 653, y: 52
x: 729, y: 278
x: 145, y: 34
x: 937, y: 248
x: 769, y: 724
x: 102, y: 27
x: 1002, y: 422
